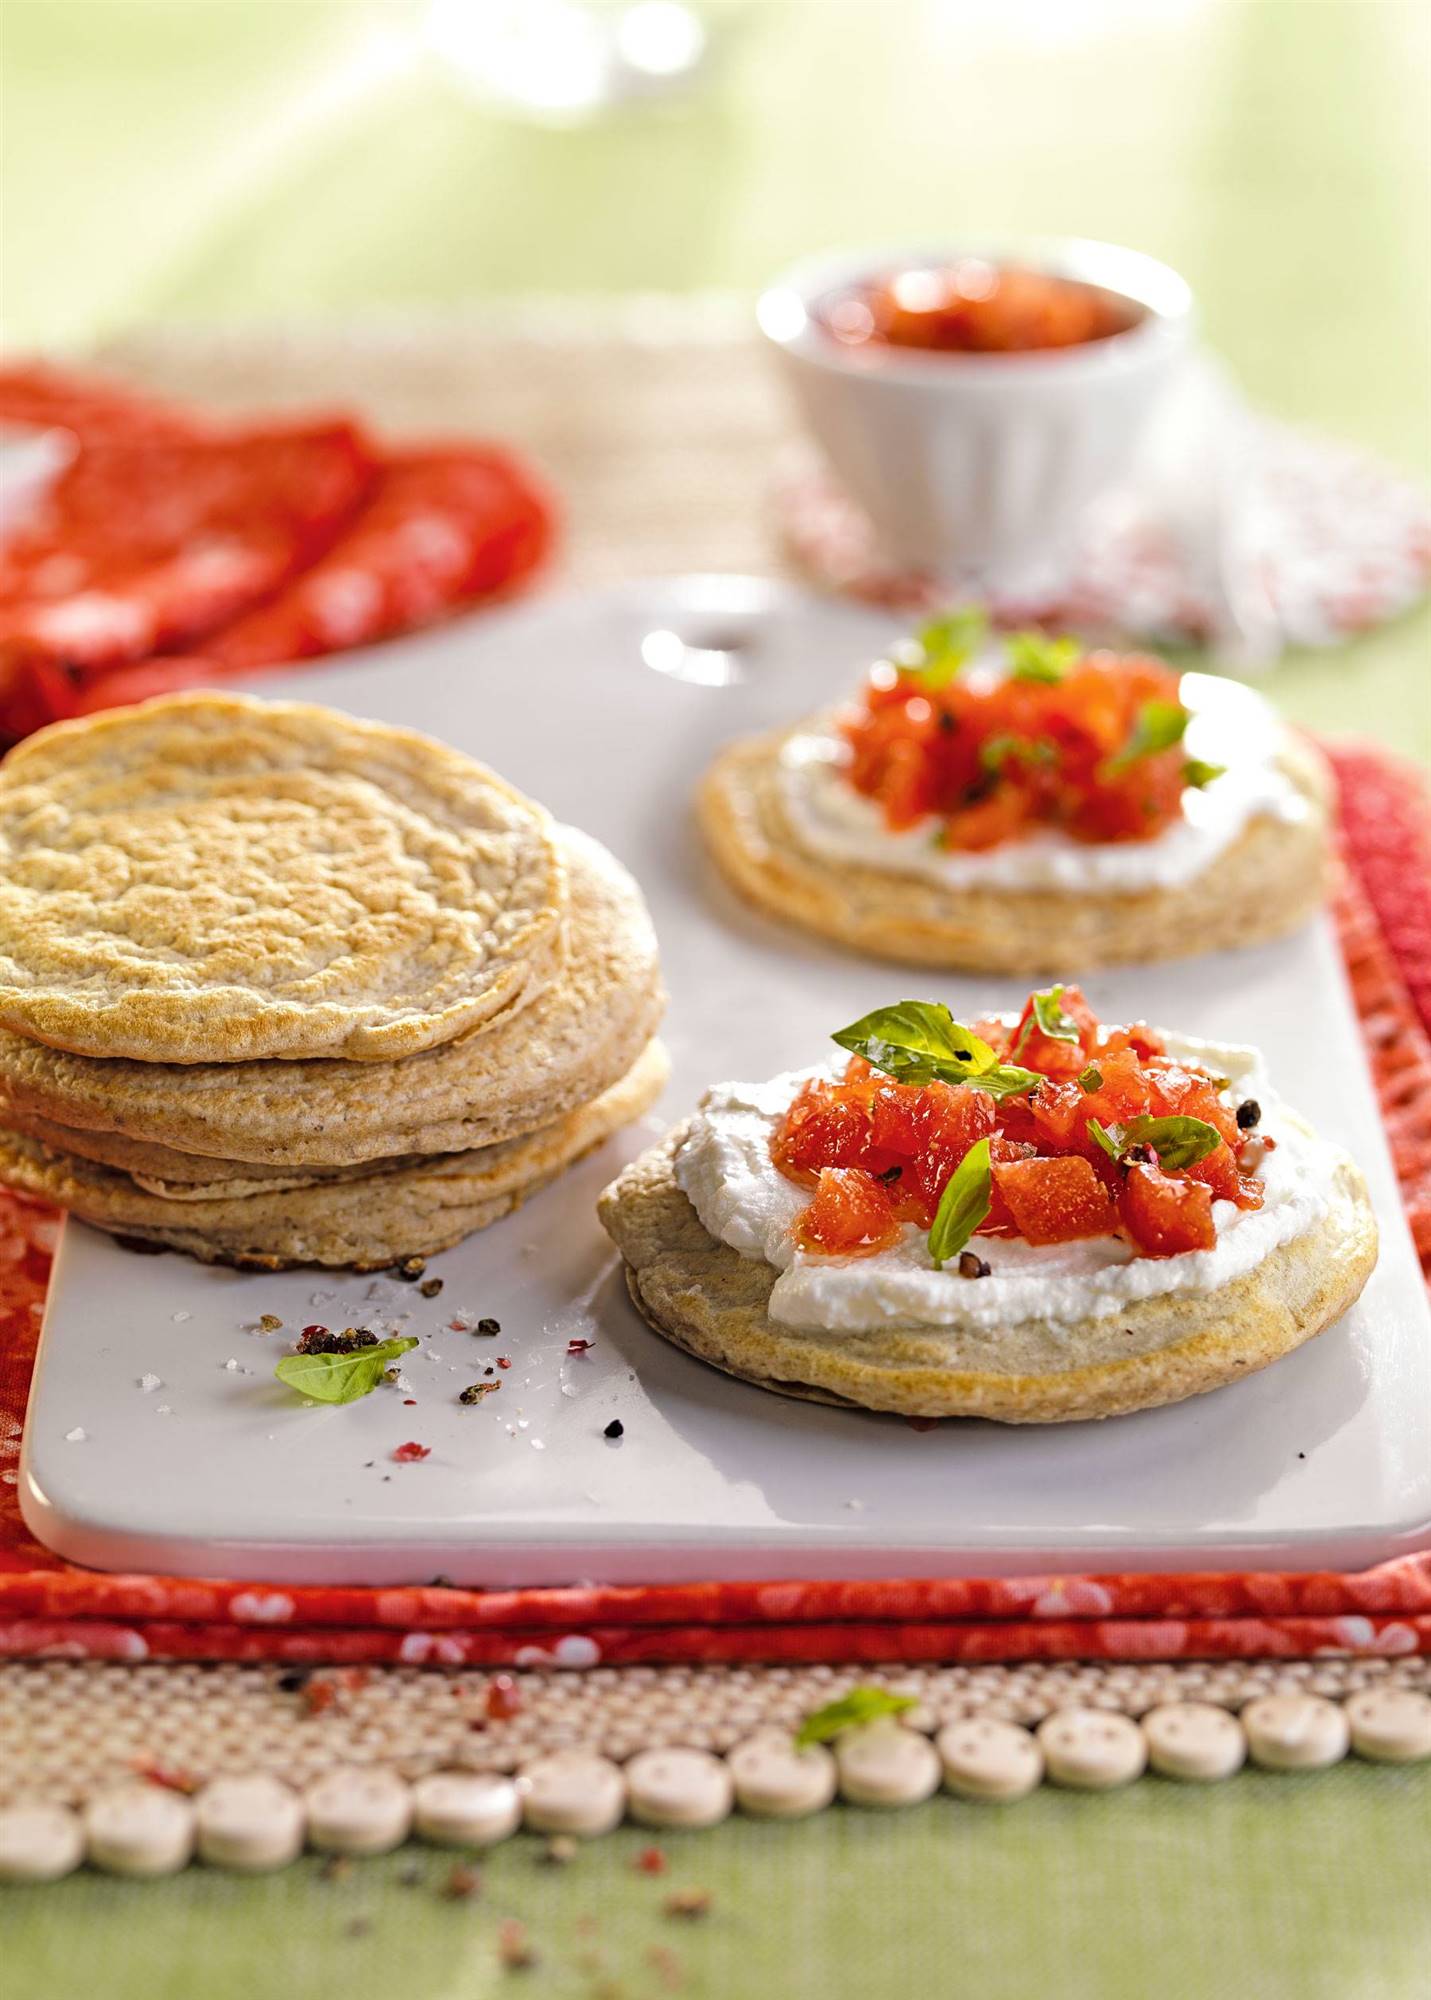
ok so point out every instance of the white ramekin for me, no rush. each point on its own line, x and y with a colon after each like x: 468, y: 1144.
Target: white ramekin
x: 977, y: 468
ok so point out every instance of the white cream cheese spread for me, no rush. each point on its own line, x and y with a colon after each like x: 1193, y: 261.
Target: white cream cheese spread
x: 725, y: 1169
x: 1231, y: 726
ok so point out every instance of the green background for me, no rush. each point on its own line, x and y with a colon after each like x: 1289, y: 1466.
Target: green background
x: 211, y: 160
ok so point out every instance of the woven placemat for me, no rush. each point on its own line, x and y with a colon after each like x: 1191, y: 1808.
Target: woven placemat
x: 656, y: 422
x: 68, y: 1730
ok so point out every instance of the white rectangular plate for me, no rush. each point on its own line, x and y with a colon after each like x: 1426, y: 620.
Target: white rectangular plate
x: 1321, y: 1460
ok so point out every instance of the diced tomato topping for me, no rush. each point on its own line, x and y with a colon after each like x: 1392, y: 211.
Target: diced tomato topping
x: 1055, y: 1201
x: 850, y: 1216
x: 993, y: 761
x: 1164, y: 1214
x: 879, y: 1153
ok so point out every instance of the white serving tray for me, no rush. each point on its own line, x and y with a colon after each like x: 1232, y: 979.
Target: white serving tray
x: 607, y: 707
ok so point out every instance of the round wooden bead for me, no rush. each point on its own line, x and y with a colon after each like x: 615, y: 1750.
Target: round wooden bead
x: 774, y: 1780
x: 987, y: 1759
x: 678, y: 1787
x: 358, y: 1809
x: 1194, y: 1741
x: 139, y: 1830
x: 466, y: 1808
x: 1390, y: 1725
x: 572, y: 1791
x: 39, y: 1842
x: 884, y: 1764
x: 1092, y: 1749
x: 1295, y: 1732
x: 249, y: 1823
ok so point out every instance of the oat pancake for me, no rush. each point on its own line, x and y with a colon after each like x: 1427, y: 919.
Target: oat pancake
x: 199, y: 1122
x: 210, y: 878
x: 1267, y: 882
x: 365, y: 1222
x: 706, y: 1298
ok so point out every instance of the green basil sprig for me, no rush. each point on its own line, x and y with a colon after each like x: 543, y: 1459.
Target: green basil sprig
x: 1090, y: 1079
x: 1048, y: 1016
x: 1005, y: 749
x: 917, y: 1041
x: 946, y: 645
x: 860, y: 1705
x: 1198, y: 774
x: 1157, y: 726
x: 1178, y: 1142
x: 341, y: 1378
x: 963, y: 1205
x: 1033, y: 656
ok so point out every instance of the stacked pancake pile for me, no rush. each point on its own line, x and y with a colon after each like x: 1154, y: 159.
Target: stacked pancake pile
x: 281, y: 987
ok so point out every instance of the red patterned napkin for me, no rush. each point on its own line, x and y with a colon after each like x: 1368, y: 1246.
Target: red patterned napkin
x: 261, y: 543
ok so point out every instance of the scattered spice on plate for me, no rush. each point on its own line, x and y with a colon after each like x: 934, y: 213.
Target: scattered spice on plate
x: 430, y: 1287
x: 318, y: 1340
x: 971, y: 1266
x: 409, y: 1454
x: 614, y: 1429
x: 462, y: 1883
x: 293, y: 1680
x: 486, y: 1326
x: 1249, y: 1113
x: 269, y: 1323
x: 475, y: 1391
x: 410, y: 1267
x: 651, y: 1861
x: 559, y: 1850
x: 504, y: 1360
x: 579, y: 1346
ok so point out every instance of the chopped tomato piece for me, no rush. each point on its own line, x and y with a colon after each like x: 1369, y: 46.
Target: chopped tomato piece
x: 1165, y: 1215
x: 850, y: 1215
x: 991, y: 760
x: 1056, y: 1201
x: 1048, y: 1053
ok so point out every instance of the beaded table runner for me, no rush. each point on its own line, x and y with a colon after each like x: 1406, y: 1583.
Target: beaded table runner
x: 657, y: 431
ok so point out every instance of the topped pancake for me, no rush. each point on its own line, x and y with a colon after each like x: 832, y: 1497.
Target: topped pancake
x: 211, y: 878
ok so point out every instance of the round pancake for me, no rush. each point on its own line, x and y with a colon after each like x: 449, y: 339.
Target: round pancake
x: 709, y: 1300
x: 1270, y: 880
x: 210, y: 878
x: 204, y: 1121
x: 366, y: 1222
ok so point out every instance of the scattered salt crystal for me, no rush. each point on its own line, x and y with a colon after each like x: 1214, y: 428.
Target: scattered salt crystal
x: 401, y: 1384
x: 524, y: 1424
x: 77, y: 1435
x: 179, y: 1318
x: 231, y: 1365
x: 164, y: 1410
x: 537, y: 1445
x: 149, y: 1383
x: 321, y: 1298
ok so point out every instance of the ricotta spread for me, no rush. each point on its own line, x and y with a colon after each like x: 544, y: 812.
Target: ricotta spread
x: 1231, y: 726
x: 725, y: 1169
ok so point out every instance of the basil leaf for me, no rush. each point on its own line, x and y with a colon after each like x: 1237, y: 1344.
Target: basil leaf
x: 1178, y: 1142
x: 1000, y: 750
x: 861, y: 1704
x: 1158, y: 726
x: 1048, y: 1016
x: 1090, y: 1079
x: 965, y: 1202
x: 1033, y: 656
x: 916, y: 1041
x: 1197, y: 774
x: 946, y: 645
x: 341, y: 1378
x: 1105, y: 1138
x: 1005, y: 1080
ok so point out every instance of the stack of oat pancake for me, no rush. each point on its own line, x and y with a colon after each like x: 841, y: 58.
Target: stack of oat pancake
x: 280, y: 987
